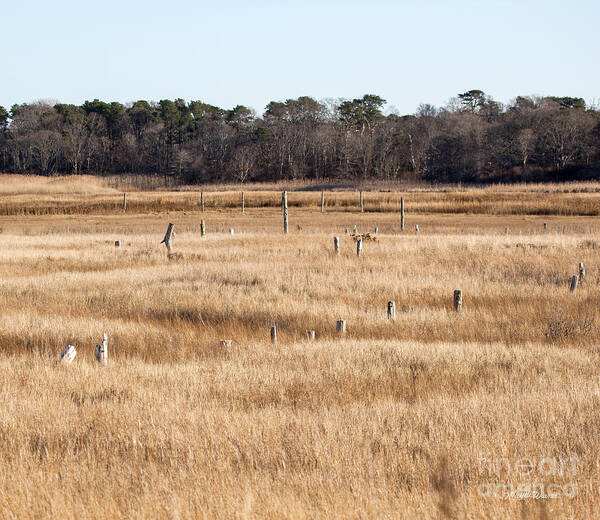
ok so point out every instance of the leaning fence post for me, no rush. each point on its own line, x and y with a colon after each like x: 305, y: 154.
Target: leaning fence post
x: 336, y: 245
x: 402, y: 213
x: 274, y: 334
x: 340, y: 326
x: 322, y: 201
x: 168, y: 236
x: 285, y: 211
x: 391, y: 310
x: 574, y: 282
x: 358, y: 246
x: 581, y: 272
x: 202, y: 228
x: 457, y: 300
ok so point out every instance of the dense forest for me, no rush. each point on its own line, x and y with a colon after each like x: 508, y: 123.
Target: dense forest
x: 471, y: 139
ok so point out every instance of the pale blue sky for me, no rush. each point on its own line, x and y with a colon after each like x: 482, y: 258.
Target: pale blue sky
x: 234, y: 52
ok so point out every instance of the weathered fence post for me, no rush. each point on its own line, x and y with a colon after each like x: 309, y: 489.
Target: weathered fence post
x: 68, y: 354
x: 336, y: 245
x: 574, y: 282
x: 457, y: 300
x: 340, y: 326
x: 285, y: 211
x: 362, y: 206
x: 391, y: 310
x: 402, y: 213
x: 274, y: 334
x: 202, y: 228
x: 168, y: 236
x: 322, y: 201
x: 310, y: 335
x: 358, y: 247
x: 202, y: 201
x: 101, y: 352
x: 243, y: 203
x: 581, y: 272
x: 124, y: 201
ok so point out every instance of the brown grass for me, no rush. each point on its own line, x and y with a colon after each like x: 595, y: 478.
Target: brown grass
x: 390, y: 421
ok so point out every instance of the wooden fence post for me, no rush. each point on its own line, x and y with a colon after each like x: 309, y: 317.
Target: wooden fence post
x: 545, y: 226
x: 581, y: 272
x: 358, y: 247
x: 322, y: 201
x: 391, y: 310
x: 574, y: 282
x: 457, y: 300
x: 243, y: 203
x: 362, y: 206
x: 376, y: 229
x: 274, y: 334
x: 124, y: 201
x: 402, y: 213
x: 340, y: 326
x: 416, y: 228
x: 310, y: 335
x: 202, y: 201
x: 202, y: 228
x: 285, y: 212
x: 168, y: 236
x: 336, y: 245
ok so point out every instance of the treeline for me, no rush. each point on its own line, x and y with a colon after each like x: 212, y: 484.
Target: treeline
x: 472, y: 138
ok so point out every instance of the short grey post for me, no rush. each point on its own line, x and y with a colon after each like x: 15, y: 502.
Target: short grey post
x: 322, y: 201
x: 362, y: 206
x: 243, y: 203
x: 402, y: 213
x: 117, y: 243
x: 340, y: 326
x: 336, y: 245
x: 202, y: 228
x: 285, y: 211
x: 202, y: 201
x: 124, y: 201
x: 574, y: 280
x: 274, y: 334
x: 581, y: 272
x: 310, y: 335
x: 391, y: 310
x: 359, y: 247
x: 457, y: 300
x: 168, y: 235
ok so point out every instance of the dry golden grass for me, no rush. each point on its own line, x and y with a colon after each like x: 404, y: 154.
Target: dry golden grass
x: 390, y: 421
